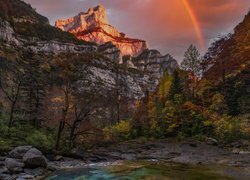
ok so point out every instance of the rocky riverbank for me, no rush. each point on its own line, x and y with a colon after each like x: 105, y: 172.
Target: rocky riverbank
x: 187, y: 151
x: 26, y: 162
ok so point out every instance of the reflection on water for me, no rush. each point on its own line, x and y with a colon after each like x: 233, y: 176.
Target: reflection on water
x: 149, y: 170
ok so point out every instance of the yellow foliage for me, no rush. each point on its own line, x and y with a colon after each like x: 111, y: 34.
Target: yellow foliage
x: 165, y: 84
x: 118, y: 132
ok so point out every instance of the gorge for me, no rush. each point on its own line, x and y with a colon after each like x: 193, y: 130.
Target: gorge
x: 82, y: 100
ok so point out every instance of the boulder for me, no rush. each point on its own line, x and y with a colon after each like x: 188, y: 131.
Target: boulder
x: 77, y: 153
x: 244, y: 152
x: 211, y: 141
x: 3, y: 170
x: 58, y: 158
x: 18, y: 152
x: 240, y: 144
x: 34, y: 158
x: 52, y: 167
x: 13, y: 165
x: 236, y: 151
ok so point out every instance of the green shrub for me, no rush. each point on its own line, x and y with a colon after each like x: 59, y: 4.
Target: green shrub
x: 5, y: 145
x: 40, y: 140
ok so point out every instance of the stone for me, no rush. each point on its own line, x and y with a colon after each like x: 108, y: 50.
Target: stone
x: 244, y: 152
x: 2, y: 163
x: 58, y: 158
x: 77, y: 153
x: 211, y: 141
x: 13, y: 165
x: 19, y: 152
x: 3, y: 170
x: 50, y: 157
x: 25, y: 176
x: 34, y: 172
x: 236, y: 151
x: 52, y: 167
x: 7, y: 177
x: 2, y: 158
x: 34, y: 158
x: 241, y: 143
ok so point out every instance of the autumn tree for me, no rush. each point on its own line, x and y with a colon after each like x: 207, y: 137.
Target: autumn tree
x: 191, y: 61
x: 192, y: 64
x: 66, y: 74
x: 83, y: 106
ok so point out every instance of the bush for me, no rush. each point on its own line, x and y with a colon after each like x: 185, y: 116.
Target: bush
x: 25, y: 135
x: 228, y: 129
x: 119, y: 132
x: 40, y: 140
x: 5, y: 145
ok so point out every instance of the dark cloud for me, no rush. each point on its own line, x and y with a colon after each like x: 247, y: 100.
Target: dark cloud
x: 165, y: 24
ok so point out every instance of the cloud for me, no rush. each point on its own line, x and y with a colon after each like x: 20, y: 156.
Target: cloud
x: 165, y: 24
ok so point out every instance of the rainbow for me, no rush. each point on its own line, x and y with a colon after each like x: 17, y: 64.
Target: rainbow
x: 196, y: 24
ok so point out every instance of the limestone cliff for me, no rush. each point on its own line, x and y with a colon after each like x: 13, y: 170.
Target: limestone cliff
x: 152, y: 62
x: 93, y: 26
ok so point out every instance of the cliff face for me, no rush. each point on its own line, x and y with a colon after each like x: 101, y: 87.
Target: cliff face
x: 100, y: 73
x: 105, y: 71
x: 144, y: 69
x: 152, y: 62
x: 93, y: 26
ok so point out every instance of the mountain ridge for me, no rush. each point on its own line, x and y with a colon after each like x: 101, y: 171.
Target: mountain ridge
x: 94, y: 26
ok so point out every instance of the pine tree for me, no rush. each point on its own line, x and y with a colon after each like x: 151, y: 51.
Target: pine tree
x: 176, y: 86
x: 33, y: 88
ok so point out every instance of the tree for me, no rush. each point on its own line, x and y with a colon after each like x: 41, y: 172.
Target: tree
x: 33, y: 88
x: 72, y: 110
x: 64, y: 78
x: 192, y: 64
x: 213, y: 52
x: 191, y: 61
x: 11, y: 79
x: 175, y: 87
x: 80, y: 113
x: 233, y: 89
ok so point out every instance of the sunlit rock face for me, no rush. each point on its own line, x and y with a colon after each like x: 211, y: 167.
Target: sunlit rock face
x: 93, y: 26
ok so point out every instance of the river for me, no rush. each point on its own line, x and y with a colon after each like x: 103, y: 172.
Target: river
x: 150, y: 170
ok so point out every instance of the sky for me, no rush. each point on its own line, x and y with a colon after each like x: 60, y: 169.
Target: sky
x: 169, y: 26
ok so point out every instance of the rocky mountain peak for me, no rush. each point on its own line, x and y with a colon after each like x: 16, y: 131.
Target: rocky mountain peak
x: 93, y: 26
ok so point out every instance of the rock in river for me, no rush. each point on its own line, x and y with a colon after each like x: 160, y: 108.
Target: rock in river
x: 34, y: 158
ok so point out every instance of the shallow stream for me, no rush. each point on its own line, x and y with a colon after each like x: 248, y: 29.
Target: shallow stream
x: 150, y: 170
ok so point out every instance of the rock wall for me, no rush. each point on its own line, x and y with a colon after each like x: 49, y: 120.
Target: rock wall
x: 152, y: 62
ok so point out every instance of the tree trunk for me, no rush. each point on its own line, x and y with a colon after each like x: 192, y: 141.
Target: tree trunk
x: 11, y: 114
x: 58, y: 138
x: 64, y: 115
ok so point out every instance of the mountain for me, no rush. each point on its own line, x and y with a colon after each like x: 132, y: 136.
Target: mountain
x: 230, y: 55
x: 93, y: 26
x: 102, y: 68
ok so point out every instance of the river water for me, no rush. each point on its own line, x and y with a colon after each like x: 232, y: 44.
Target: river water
x: 151, y: 170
